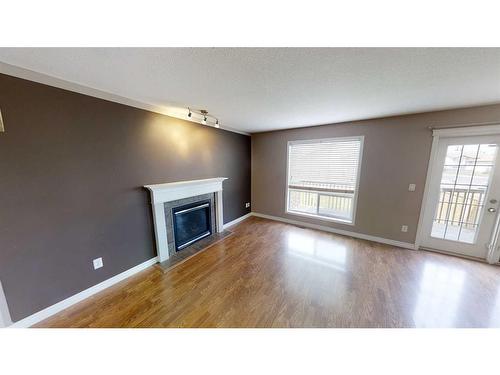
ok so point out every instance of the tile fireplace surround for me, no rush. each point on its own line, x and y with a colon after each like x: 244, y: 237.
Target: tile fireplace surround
x: 168, y: 206
x: 162, y: 193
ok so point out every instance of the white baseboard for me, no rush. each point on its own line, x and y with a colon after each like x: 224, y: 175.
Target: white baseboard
x: 386, y: 241
x: 64, y: 304
x: 5, y: 320
x: 236, y: 221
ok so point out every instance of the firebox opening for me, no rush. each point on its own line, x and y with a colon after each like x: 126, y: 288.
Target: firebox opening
x: 192, y: 222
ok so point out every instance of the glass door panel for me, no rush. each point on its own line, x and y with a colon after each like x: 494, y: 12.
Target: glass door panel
x: 464, y: 184
x: 464, y: 189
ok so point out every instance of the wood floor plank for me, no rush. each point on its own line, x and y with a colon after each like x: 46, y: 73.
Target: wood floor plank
x: 271, y: 274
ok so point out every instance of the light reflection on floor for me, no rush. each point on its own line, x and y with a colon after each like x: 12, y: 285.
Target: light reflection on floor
x: 443, y: 292
x: 439, y: 295
x: 495, y: 312
x: 320, y: 251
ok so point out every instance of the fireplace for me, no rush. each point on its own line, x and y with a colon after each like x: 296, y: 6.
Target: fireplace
x: 191, y: 223
x: 169, y: 196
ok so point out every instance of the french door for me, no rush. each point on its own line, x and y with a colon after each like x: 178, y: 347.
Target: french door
x: 460, y: 214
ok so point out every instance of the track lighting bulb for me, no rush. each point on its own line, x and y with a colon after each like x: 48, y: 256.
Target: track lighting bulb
x: 189, y: 114
x: 216, y: 123
x: 204, y: 120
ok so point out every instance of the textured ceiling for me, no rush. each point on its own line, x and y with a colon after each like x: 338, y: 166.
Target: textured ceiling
x: 259, y: 89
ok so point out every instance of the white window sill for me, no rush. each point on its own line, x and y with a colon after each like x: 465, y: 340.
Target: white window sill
x: 322, y: 218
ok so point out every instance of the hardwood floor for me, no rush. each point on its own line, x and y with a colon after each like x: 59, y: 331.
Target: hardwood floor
x: 271, y: 274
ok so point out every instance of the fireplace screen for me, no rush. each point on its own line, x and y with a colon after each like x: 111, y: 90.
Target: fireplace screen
x: 191, y: 223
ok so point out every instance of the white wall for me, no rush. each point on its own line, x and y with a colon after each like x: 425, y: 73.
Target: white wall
x: 4, y: 310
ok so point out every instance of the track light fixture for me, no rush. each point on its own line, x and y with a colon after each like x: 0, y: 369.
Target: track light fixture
x: 204, y: 112
x: 204, y: 116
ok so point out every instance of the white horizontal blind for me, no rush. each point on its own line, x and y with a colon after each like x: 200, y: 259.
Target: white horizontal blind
x: 325, y: 164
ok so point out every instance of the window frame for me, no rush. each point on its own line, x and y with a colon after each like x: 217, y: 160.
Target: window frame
x: 352, y: 222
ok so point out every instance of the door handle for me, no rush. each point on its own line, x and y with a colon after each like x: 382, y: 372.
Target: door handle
x: 492, y: 209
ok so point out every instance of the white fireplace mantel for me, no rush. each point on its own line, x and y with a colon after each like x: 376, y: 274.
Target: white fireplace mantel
x: 161, y: 193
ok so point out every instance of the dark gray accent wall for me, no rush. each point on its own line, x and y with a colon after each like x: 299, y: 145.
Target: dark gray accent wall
x: 71, y: 174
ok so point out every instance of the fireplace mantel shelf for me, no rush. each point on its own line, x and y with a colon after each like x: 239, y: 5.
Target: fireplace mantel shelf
x: 170, y: 185
x: 161, y: 193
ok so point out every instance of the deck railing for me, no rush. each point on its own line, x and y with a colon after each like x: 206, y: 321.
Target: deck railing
x: 323, y: 199
x: 460, y: 206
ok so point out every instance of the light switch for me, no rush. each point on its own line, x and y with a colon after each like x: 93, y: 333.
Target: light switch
x: 412, y: 187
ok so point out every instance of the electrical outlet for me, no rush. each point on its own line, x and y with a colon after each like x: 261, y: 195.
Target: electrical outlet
x: 247, y: 205
x: 412, y: 187
x: 98, y: 263
x: 404, y: 228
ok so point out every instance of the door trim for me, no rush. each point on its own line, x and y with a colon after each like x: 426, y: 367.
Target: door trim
x: 462, y: 131
x: 432, y: 159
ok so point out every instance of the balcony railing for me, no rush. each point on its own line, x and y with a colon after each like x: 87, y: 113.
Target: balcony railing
x: 321, y: 199
x: 460, y: 206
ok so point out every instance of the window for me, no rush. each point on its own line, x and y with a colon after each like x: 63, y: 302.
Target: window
x: 323, y: 178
